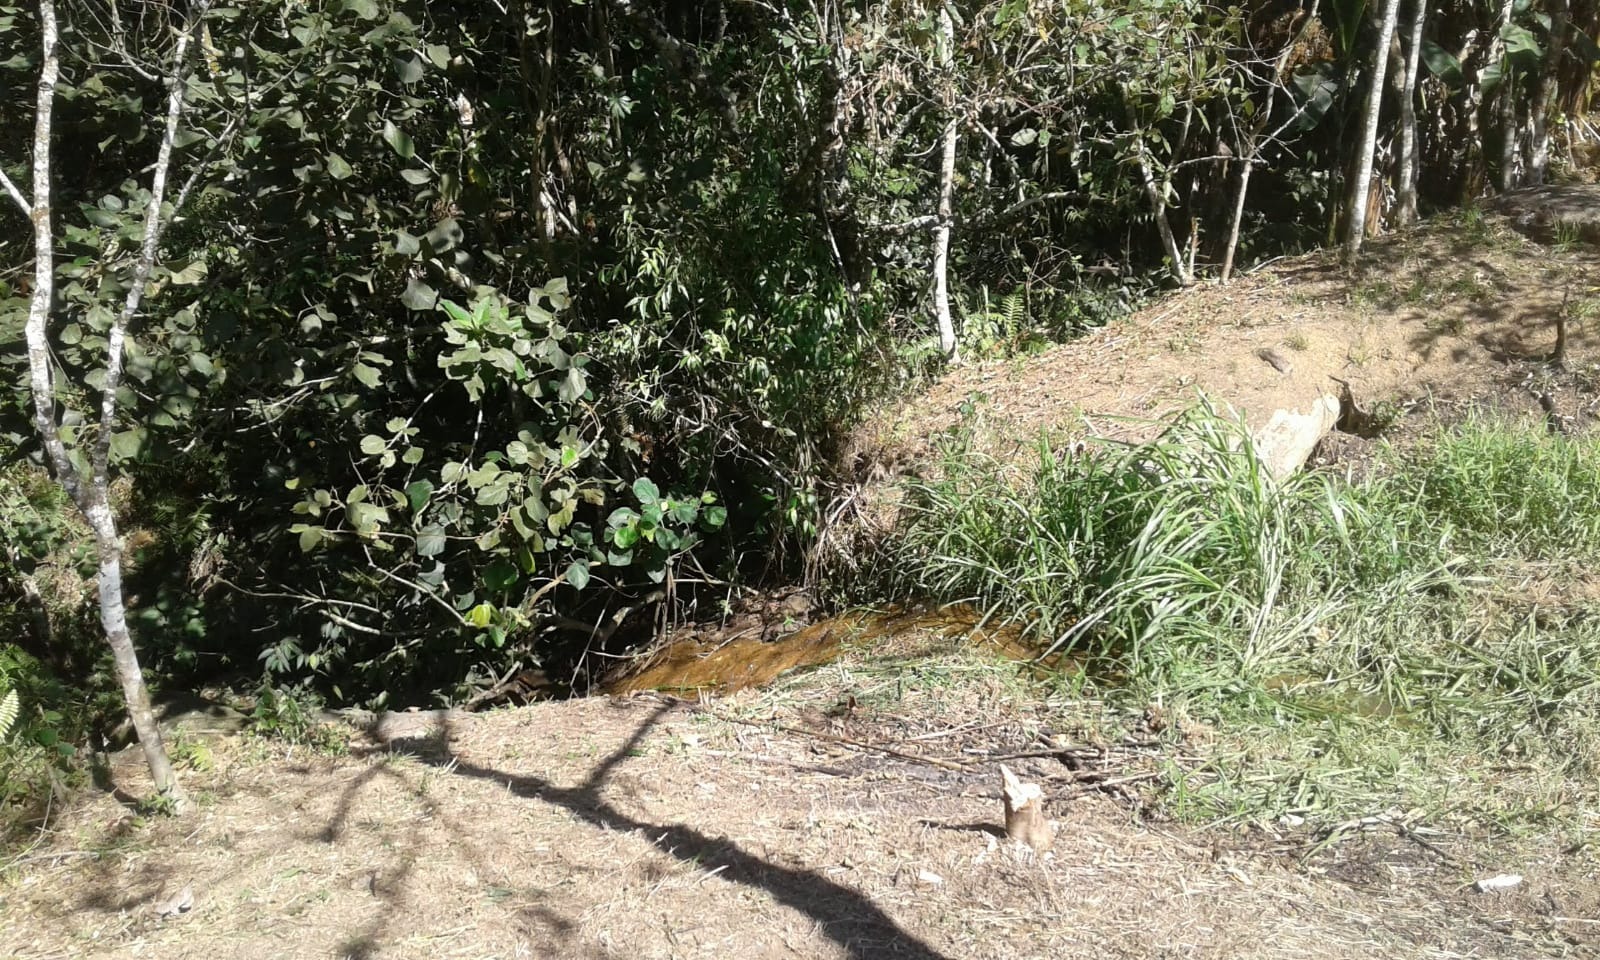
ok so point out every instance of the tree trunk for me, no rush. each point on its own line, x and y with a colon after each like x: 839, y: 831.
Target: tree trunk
x: 114, y: 621
x: 1406, y: 175
x: 1154, y: 194
x: 1248, y: 151
x: 90, y: 493
x: 1362, y: 184
x: 1545, y: 95
x: 1509, y: 134
x: 941, y: 246
x: 1506, y: 106
x: 1245, y: 166
x: 941, y: 234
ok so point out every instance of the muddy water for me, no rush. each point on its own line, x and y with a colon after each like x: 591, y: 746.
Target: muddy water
x: 736, y: 663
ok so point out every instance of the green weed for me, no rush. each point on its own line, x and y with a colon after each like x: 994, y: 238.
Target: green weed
x: 1335, y: 634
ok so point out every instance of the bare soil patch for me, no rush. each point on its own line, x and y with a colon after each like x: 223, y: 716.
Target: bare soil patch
x: 854, y: 814
x: 1452, y: 316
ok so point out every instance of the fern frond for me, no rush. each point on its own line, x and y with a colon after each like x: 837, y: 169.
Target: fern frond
x: 9, y: 706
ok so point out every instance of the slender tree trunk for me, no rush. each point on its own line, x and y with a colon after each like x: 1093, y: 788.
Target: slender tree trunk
x: 1545, y: 95
x: 941, y: 234
x: 1154, y: 194
x: 1250, y: 150
x: 1506, y: 105
x: 1245, y: 166
x: 91, y: 492
x: 1357, y: 219
x: 1510, y: 135
x: 1406, y: 175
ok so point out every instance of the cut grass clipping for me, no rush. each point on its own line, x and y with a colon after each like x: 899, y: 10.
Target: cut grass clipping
x: 1338, y: 636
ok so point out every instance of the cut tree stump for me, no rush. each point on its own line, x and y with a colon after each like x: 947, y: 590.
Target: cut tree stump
x: 1286, y: 441
x: 1025, y: 817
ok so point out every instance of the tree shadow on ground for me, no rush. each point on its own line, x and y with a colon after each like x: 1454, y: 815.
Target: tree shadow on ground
x: 845, y: 916
x: 392, y: 886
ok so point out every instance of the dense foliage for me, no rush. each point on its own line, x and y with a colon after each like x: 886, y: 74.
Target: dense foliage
x: 489, y: 334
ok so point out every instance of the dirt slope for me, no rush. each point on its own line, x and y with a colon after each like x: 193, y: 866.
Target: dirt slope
x: 1459, y: 312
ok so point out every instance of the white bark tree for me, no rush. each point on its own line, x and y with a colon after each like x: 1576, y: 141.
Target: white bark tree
x: 1406, y: 176
x: 947, y: 180
x: 1252, y: 142
x: 1356, y: 219
x: 88, y: 480
x: 1156, y: 193
x: 1545, y: 94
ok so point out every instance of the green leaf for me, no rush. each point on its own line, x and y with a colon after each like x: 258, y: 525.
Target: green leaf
x: 71, y: 334
x: 416, y: 176
x: 398, y: 141
x: 125, y: 444
x: 438, y: 54
x: 372, y: 445
x: 715, y: 517
x: 201, y: 364
x: 645, y: 489
x: 367, y: 374
x: 418, y: 295
x: 417, y: 494
x: 481, y: 615
x: 1441, y: 63
x: 310, y: 537
x: 1519, y: 40
x: 578, y: 574
x: 573, y: 386
x: 430, y: 541
x: 500, y: 575
x: 338, y: 168
x: 408, y: 69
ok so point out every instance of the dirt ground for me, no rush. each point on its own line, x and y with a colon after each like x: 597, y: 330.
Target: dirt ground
x: 856, y: 814
x: 651, y: 827
x: 1454, y: 315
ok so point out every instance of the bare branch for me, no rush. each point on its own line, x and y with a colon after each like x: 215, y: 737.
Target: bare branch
x: 153, y: 226
x: 11, y: 188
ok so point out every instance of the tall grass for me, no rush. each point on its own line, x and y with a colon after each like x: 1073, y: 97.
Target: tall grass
x: 1315, y: 617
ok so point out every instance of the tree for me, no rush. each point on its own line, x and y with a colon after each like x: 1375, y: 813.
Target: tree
x: 1406, y: 175
x: 1356, y: 220
x: 947, y: 176
x: 1544, y: 95
x: 81, y: 460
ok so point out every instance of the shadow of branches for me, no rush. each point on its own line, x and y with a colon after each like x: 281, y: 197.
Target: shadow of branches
x: 845, y: 916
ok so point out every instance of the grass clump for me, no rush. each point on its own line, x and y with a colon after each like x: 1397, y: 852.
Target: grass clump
x: 1333, y: 633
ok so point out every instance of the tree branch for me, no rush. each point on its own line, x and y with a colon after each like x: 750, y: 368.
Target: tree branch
x: 40, y: 368
x: 153, y: 228
x: 11, y: 188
